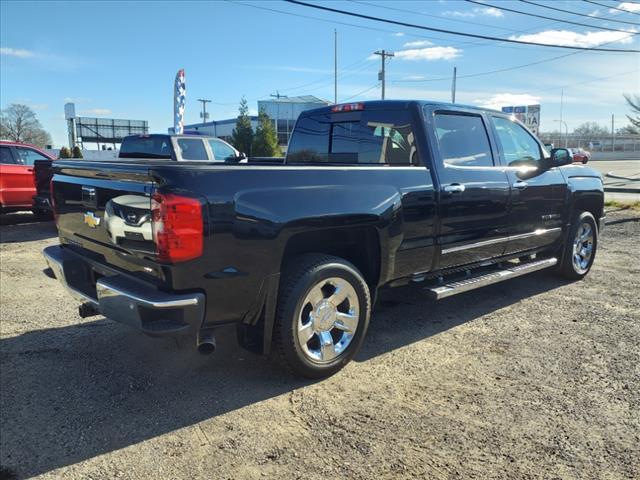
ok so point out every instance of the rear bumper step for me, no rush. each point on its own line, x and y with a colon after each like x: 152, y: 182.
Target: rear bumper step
x: 471, y: 283
x: 125, y: 300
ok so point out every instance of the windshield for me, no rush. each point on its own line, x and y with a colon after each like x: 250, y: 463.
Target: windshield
x: 156, y: 146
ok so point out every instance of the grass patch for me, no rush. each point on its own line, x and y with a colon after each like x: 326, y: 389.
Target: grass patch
x: 617, y: 204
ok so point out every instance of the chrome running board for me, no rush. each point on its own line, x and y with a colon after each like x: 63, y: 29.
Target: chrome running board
x: 478, y: 281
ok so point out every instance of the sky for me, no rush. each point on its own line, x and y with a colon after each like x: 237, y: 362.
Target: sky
x: 119, y: 59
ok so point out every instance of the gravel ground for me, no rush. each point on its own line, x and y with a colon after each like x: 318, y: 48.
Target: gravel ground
x: 532, y: 378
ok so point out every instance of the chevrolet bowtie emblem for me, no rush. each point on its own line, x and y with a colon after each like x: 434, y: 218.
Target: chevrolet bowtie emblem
x: 91, y: 220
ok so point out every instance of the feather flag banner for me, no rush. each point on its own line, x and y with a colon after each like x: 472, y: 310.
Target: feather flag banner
x: 179, y: 99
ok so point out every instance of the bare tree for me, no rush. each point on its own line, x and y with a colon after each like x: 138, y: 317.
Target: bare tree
x: 18, y: 123
x: 634, y: 103
x: 591, y: 130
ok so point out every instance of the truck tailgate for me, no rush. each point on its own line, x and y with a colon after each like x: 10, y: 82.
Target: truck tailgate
x: 105, y: 210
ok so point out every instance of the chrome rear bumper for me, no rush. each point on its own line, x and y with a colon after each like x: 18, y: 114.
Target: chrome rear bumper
x: 125, y: 300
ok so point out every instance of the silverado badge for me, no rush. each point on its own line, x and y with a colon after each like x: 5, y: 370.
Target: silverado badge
x: 91, y: 220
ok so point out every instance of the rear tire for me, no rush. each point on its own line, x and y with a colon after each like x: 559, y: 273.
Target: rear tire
x: 581, y: 246
x: 322, y: 315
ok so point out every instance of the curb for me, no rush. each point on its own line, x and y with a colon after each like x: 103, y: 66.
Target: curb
x: 613, y: 175
x: 622, y: 190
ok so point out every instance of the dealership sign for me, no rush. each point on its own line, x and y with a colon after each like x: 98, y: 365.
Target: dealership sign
x: 527, y: 114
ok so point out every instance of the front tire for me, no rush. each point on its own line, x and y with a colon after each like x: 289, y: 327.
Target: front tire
x: 322, y: 315
x: 580, y: 250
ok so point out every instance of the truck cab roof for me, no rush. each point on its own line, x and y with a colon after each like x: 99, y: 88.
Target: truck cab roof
x: 390, y: 104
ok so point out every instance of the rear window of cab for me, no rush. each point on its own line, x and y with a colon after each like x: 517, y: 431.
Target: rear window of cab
x: 368, y: 137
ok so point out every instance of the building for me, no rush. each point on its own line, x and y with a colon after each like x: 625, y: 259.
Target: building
x: 284, y: 111
x: 217, y: 128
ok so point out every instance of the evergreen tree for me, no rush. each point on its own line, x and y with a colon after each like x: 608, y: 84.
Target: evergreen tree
x: 265, y: 142
x: 242, y: 136
x: 64, y: 153
x: 77, y: 153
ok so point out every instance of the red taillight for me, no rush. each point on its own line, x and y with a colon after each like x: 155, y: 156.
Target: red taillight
x: 348, y: 107
x: 177, y: 227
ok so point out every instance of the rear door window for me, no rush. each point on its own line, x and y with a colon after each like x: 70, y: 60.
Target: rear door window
x: 463, y: 140
x: 192, y: 149
x: 370, y: 137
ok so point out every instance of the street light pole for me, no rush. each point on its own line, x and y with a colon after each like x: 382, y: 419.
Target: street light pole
x: 566, y: 132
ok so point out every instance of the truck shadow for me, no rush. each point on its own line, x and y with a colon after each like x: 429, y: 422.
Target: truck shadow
x: 23, y: 227
x: 69, y: 394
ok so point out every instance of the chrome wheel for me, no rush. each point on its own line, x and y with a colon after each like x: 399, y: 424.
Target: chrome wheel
x: 583, y: 248
x: 328, y: 320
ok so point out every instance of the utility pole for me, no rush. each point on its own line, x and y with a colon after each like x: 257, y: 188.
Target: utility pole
x: 277, y: 96
x: 453, y: 86
x: 335, y: 67
x: 381, y: 76
x: 204, y: 115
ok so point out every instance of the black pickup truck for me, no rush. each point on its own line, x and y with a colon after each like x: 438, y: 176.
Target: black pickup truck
x: 371, y: 195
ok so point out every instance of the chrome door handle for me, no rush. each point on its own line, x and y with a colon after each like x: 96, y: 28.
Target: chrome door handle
x: 520, y: 185
x: 454, y: 188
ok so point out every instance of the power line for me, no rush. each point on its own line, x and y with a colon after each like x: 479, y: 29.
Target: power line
x: 475, y: 44
x: 613, y: 8
x: 334, y: 22
x: 577, y: 13
x: 452, y: 32
x: 439, y: 17
x: 500, y: 70
x: 360, y: 93
x: 546, y: 18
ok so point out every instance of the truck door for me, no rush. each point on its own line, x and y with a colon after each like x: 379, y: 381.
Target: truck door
x: 537, y: 190
x: 16, y: 178
x: 474, y: 188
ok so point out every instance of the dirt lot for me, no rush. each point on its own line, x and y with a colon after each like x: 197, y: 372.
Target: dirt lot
x: 534, y: 378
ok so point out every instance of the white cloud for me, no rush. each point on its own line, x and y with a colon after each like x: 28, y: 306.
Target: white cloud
x: 418, y: 43
x: 491, y: 12
x: 595, y: 13
x: 499, y: 100
x: 628, y: 6
x: 476, y: 12
x: 16, y: 52
x: 429, y: 53
x: 96, y: 111
x: 398, y: 34
x: 414, y: 77
x: 575, y: 39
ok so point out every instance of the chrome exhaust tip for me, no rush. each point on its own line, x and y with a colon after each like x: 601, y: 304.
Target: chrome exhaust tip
x: 206, y: 344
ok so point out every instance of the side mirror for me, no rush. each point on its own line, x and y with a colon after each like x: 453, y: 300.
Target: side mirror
x: 561, y: 156
x: 241, y: 156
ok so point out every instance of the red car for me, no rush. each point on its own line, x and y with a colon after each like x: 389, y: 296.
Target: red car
x: 17, y: 183
x: 580, y: 155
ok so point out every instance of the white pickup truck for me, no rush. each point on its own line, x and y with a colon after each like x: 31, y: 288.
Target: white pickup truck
x: 180, y: 147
